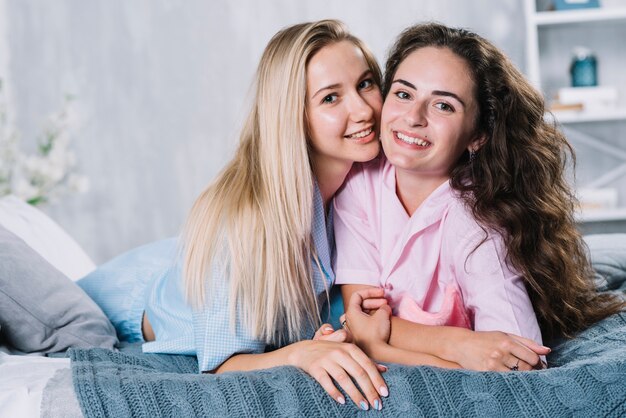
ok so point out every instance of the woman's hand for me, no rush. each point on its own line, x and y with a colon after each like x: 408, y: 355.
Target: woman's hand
x: 327, y: 333
x: 328, y: 360
x: 498, y: 351
x: 368, y: 318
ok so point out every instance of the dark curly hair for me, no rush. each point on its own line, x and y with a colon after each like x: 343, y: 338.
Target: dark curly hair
x: 516, y: 185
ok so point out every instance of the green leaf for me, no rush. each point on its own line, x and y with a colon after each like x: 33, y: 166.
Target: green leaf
x: 36, y: 200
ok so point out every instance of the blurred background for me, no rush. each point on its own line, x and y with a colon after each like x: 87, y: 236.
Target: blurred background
x: 159, y: 89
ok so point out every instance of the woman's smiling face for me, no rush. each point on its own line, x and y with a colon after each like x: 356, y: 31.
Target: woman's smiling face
x: 429, y: 114
x: 343, y: 105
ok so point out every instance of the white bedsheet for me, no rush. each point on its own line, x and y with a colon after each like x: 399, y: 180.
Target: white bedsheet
x: 22, y: 381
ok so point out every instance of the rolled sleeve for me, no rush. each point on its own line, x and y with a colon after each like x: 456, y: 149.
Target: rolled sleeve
x: 493, y: 291
x: 214, y: 338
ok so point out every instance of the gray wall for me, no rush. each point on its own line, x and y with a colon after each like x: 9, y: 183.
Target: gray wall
x: 161, y: 88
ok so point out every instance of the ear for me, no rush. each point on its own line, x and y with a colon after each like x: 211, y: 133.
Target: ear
x: 477, y: 143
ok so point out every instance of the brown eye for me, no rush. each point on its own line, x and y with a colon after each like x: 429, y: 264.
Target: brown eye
x: 402, y: 95
x: 365, y: 84
x: 445, y: 107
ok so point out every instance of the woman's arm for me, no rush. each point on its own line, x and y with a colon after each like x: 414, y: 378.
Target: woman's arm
x: 370, y: 331
x: 324, y: 361
x: 469, y: 349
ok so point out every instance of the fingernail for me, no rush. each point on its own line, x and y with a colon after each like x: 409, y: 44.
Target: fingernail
x: 383, y: 366
x: 364, y: 406
x: 383, y: 391
x: 377, y: 405
x: 341, y: 400
x: 328, y: 329
x: 547, y: 348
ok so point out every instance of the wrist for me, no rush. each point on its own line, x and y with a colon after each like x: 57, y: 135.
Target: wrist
x: 453, y: 342
x: 292, y: 353
x: 375, y: 349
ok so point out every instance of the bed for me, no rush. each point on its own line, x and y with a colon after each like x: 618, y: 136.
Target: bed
x: 587, y: 376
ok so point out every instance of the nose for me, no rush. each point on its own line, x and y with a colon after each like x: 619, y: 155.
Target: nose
x: 416, y: 114
x: 360, y: 109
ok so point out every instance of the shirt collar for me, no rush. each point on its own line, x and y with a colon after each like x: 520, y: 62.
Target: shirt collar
x: 430, y: 211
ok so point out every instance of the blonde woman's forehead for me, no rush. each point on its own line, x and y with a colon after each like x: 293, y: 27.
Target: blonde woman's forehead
x: 334, y: 66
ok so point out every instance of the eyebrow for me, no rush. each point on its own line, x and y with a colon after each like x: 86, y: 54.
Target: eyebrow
x: 337, y: 85
x: 434, y: 92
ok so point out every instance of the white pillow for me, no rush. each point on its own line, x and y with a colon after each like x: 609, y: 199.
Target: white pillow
x: 45, y: 236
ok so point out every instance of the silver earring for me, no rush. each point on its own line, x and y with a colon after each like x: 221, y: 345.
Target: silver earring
x: 472, y: 156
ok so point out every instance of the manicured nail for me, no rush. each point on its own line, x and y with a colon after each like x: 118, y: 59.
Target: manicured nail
x: 377, y: 405
x: 384, y: 367
x: 547, y: 348
x: 383, y: 391
x: 329, y: 329
x: 341, y: 400
x: 364, y: 406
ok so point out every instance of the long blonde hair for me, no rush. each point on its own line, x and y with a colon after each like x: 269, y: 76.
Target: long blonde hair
x: 254, y: 221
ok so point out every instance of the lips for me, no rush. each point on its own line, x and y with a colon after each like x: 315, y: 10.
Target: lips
x: 411, y: 140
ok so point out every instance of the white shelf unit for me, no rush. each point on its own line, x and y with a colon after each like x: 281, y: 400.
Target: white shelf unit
x: 579, y: 16
x: 602, y: 215
x: 581, y: 116
x: 539, y: 24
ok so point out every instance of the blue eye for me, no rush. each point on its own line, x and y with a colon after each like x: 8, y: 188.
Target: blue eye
x: 331, y: 98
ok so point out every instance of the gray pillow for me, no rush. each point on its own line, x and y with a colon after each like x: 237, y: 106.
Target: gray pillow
x: 41, y: 310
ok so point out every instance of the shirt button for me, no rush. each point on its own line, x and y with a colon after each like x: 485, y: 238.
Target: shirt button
x: 389, y: 286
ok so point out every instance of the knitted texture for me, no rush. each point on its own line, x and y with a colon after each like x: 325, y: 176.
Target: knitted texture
x: 587, y: 378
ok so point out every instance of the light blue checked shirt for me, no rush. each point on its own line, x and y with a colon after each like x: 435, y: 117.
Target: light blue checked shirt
x: 207, y: 333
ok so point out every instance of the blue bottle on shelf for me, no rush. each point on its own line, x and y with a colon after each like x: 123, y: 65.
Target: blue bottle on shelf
x: 584, y: 68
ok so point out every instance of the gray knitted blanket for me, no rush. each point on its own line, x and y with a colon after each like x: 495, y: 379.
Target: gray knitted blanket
x: 587, y: 378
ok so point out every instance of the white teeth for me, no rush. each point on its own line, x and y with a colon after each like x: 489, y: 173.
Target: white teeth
x: 361, y: 134
x: 411, y: 140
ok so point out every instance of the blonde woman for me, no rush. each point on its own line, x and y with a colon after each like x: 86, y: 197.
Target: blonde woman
x: 258, y: 241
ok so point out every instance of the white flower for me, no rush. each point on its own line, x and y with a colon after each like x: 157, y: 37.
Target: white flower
x: 46, y: 174
x: 24, y: 190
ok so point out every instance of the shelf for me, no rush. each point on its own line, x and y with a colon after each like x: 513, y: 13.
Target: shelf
x: 547, y: 30
x: 579, y: 16
x: 581, y: 116
x: 601, y: 215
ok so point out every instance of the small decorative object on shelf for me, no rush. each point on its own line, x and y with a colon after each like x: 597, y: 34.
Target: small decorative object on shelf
x: 575, y: 4
x: 584, y: 68
x: 46, y: 174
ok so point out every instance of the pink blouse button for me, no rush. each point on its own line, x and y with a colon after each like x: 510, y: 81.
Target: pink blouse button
x: 389, y: 286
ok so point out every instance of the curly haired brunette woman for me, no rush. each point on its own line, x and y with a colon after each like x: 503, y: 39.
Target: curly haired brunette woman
x: 469, y: 220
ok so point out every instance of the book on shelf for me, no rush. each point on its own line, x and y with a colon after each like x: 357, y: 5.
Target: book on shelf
x: 591, y: 199
x: 588, y: 99
x: 606, y: 95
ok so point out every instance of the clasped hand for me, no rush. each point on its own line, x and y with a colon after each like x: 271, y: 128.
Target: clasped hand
x: 331, y: 355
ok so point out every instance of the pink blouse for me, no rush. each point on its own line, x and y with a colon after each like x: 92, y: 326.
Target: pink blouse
x: 438, y: 267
